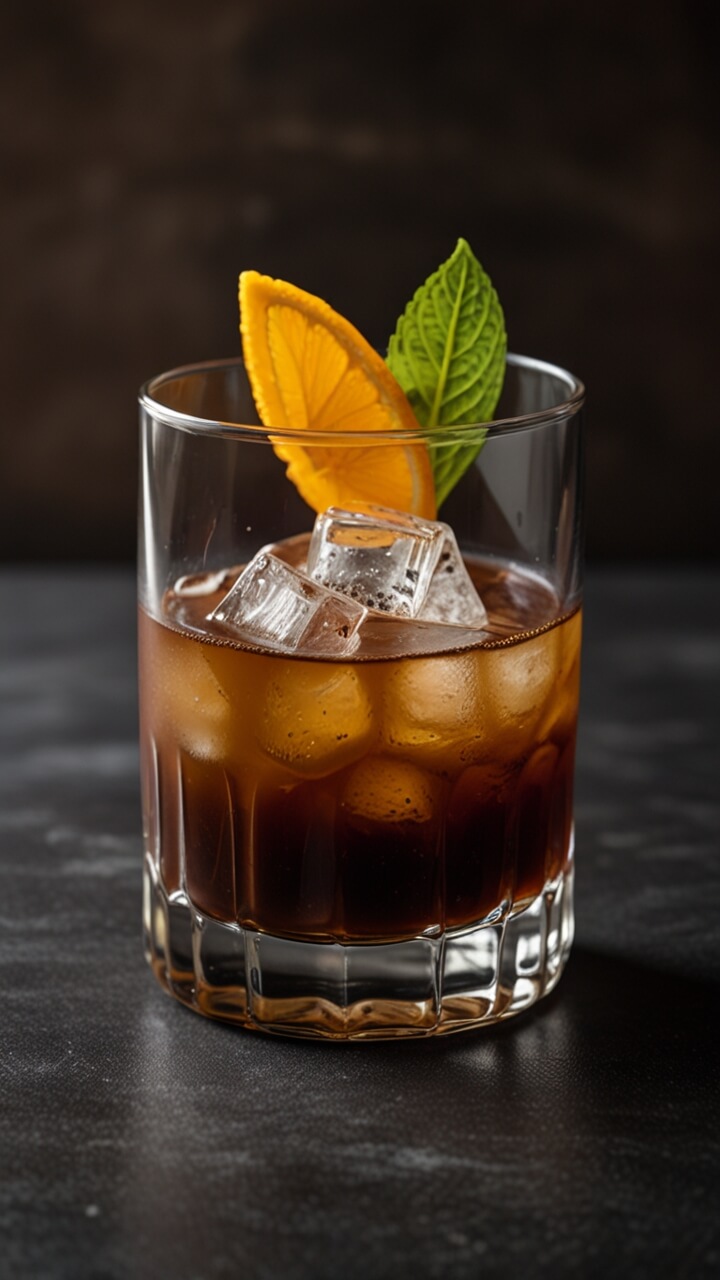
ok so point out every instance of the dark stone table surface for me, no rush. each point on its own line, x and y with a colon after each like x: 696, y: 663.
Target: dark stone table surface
x: 139, y: 1140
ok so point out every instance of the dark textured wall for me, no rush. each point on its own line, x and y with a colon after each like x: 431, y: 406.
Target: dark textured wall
x: 152, y: 150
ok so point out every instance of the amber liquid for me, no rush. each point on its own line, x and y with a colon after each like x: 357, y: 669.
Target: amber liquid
x: 399, y: 792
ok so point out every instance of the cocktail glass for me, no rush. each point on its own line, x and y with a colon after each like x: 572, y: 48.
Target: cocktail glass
x: 357, y: 823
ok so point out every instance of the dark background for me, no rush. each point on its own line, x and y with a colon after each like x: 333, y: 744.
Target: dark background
x: 150, y: 151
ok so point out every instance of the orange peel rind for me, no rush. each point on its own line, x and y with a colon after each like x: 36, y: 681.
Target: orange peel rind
x: 311, y: 370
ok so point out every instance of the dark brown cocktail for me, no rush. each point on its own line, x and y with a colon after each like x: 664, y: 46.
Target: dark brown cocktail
x: 393, y: 794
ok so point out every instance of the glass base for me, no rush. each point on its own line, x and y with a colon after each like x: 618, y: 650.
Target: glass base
x: 337, y: 991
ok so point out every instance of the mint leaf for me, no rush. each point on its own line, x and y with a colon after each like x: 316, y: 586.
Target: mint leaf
x: 448, y: 354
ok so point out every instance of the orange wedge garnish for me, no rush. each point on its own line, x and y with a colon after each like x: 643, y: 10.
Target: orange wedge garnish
x: 311, y: 370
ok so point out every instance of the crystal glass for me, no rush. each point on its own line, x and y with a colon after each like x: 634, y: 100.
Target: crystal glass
x: 357, y: 744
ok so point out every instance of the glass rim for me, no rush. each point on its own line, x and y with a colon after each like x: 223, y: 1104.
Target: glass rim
x: 563, y: 410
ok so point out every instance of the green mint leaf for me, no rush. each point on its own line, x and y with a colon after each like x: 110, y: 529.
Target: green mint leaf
x: 448, y: 354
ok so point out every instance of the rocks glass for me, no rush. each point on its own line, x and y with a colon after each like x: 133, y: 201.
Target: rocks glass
x: 357, y: 727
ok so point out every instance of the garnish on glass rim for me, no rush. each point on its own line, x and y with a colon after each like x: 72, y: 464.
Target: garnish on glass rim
x: 448, y: 354
x: 310, y: 369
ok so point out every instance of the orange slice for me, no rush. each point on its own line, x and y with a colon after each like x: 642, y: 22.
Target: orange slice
x: 311, y: 370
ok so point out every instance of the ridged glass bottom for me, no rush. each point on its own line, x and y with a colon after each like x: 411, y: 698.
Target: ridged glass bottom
x: 420, y: 987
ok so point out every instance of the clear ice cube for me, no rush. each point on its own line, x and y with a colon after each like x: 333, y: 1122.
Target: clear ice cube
x: 273, y: 605
x: 383, y: 559
x: 451, y: 596
x: 395, y: 563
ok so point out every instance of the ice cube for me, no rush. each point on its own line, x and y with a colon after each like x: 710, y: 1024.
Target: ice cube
x: 433, y: 708
x: 274, y: 605
x: 518, y: 690
x: 451, y: 596
x: 388, y: 791
x: 383, y: 559
x: 561, y: 713
x: 189, y: 707
x: 315, y: 718
x: 521, y: 680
